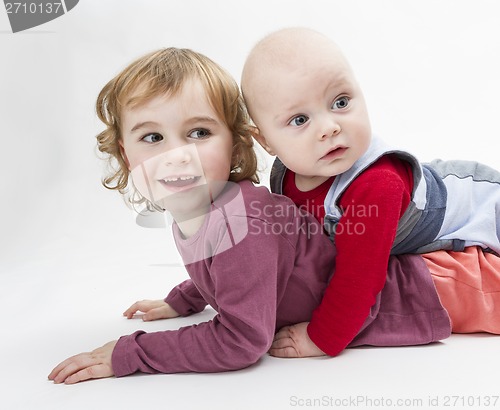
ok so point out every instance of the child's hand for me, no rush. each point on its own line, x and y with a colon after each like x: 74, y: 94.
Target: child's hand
x: 153, y: 310
x: 85, y: 366
x: 293, y: 341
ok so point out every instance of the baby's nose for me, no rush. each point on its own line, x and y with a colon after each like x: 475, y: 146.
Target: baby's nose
x: 330, y: 127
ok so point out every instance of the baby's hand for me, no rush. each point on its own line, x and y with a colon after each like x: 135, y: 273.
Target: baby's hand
x: 85, y: 366
x: 293, y: 341
x: 153, y: 310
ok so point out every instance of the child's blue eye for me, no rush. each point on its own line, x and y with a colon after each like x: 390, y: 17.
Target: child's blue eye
x: 199, y: 133
x: 340, y: 103
x: 299, y: 120
x: 152, y: 138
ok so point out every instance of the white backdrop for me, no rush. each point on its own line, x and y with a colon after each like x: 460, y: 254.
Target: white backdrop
x: 71, y: 257
x: 429, y: 70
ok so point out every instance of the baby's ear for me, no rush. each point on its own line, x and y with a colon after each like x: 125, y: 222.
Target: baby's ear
x: 261, y: 140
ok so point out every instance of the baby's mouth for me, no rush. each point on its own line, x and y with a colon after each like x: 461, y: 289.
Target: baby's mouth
x: 334, y: 153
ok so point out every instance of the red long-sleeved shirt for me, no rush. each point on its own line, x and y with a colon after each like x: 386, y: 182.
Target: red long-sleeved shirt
x: 373, y: 205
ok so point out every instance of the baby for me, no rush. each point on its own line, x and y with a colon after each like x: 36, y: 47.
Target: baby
x: 373, y: 200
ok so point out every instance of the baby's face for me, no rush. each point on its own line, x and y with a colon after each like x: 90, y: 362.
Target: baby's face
x: 311, y: 113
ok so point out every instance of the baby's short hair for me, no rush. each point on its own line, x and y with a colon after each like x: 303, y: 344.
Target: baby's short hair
x: 164, y: 72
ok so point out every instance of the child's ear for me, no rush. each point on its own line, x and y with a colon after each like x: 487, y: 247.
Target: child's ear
x: 261, y: 140
x: 124, y: 156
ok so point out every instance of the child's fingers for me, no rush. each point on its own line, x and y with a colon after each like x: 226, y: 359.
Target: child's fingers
x: 84, y: 366
x: 283, y: 345
x: 131, y: 311
x: 92, y: 372
x: 143, y: 306
x: 56, y: 370
x: 283, y: 333
x: 70, y: 366
x: 139, y: 306
x: 80, y: 368
x: 283, y: 349
x: 155, y: 314
x: 293, y: 341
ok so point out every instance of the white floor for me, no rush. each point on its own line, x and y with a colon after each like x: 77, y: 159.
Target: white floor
x: 69, y: 298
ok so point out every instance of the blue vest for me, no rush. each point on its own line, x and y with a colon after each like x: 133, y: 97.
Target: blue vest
x: 454, y: 204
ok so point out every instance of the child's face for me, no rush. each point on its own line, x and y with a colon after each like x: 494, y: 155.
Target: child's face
x: 312, y: 115
x: 178, y: 150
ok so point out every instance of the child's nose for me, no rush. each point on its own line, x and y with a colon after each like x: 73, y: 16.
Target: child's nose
x: 329, y: 127
x: 178, y: 156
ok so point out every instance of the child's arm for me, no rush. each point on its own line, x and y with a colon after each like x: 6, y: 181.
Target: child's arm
x: 186, y: 299
x: 98, y: 364
x: 241, y: 285
x: 245, y: 290
x: 373, y: 205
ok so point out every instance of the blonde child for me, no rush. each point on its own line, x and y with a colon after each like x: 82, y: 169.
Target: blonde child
x: 373, y: 200
x: 176, y: 124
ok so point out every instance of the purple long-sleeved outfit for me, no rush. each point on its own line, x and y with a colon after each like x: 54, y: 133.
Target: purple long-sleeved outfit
x: 262, y: 264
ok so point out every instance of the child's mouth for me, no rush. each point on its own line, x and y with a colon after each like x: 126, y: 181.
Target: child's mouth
x: 334, y: 153
x: 179, y: 182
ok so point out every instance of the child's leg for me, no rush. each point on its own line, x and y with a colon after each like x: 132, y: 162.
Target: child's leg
x: 468, y: 284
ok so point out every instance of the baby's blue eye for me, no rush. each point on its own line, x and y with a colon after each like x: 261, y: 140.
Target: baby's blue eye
x: 199, y: 133
x: 340, y: 103
x: 152, y: 138
x: 299, y: 120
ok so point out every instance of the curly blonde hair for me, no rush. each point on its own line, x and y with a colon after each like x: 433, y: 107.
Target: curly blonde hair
x: 163, y: 72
